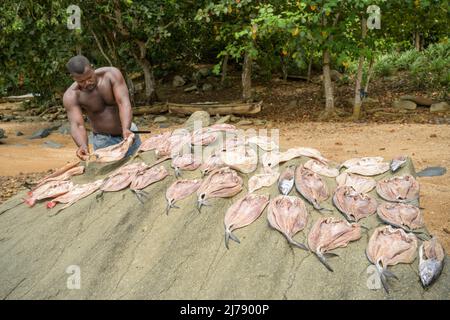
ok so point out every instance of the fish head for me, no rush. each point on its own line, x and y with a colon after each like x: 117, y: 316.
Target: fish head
x: 429, y: 270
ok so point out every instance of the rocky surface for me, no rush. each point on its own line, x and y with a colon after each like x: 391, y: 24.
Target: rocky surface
x: 128, y: 250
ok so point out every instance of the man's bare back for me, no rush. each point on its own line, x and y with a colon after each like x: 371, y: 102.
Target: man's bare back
x: 103, y: 95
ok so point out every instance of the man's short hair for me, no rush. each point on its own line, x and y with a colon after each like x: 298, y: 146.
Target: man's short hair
x: 77, y: 64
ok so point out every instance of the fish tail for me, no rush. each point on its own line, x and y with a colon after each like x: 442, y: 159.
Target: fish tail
x: 228, y: 236
x: 169, y: 205
x: 324, y: 261
x: 297, y: 244
x: 384, y: 275
x: 139, y: 195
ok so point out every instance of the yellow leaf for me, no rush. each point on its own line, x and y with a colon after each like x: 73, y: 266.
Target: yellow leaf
x: 295, y: 32
x: 253, y: 35
x: 324, y: 34
x: 327, y: 13
x: 284, y: 52
x: 313, y: 7
x: 345, y: 64
x: 230, y: 9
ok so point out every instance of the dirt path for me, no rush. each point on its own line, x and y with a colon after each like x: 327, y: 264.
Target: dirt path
x: 428, y: 145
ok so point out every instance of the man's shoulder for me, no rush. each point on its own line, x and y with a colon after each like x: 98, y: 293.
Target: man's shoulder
x: 71, y: 93
x: 108, y: 71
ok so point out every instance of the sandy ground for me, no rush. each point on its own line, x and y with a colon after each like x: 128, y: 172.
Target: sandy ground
x: 427, y: 145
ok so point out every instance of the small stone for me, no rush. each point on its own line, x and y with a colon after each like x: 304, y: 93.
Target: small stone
x: 207, y: 87
x: 224, y: 119
x: 198, y: 119
x: 440, y: 107
x: 2, y: 133
x: 259, y: 122
x: 234, y: 118
x: 433, y: 135
x: 19, y: 133
x: 191, y: 88
x: 160, y: 119
x: 164, y: 125
x: 204, y: 72
x: 52, y: 144
x: 244, y: 122
x: 404, y: 104
x: 42, y: 133
x: 178, y: 81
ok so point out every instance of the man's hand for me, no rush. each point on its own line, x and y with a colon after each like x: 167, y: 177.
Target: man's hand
x: 126, y: 133
x: 83, y: 153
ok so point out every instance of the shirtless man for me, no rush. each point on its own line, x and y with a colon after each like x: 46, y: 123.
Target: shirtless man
x: 103, y: 95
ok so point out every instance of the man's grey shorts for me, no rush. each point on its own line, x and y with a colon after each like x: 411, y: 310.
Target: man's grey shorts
x: 101, y: 140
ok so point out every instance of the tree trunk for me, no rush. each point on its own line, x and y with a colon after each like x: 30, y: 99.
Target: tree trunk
x: 224, y: 69
x: 417, y: 40
x: 358, y: 101
x: 369, y: 75
x: 247, y: 78
x: 310, y: 67
x: 328, y: 86
x: 150, y: 92
x: 284, y: 68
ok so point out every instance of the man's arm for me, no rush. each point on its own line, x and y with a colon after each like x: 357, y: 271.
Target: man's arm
x: 122, y: 98
x: 77, y: 129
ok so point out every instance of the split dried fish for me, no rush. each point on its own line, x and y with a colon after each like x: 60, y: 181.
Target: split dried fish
x: 399, y: 189
x: 389, y: 246
x: 213, y: 162
x: 288, y: 215
x: 354, y: 205
x: 121, y: 178
x: 243, y: 159
x: 180, y: 189
x: 242, y: 213
x: 114, y: 152
x: 398, y: 162
x: 203, y: 139
x: 64, y: 173
x: 286, y: 180
x: 359, y: 183
x: 186, y: 162
x: 263, y: 142
x: 311, y: 186
x: 146, y: 177
x: 261, y: 180
x: 331, y: 233
x: 431, y: 261
x: 401, y: 215
x: 320, y: 168
x: 78, y: 192
x: 221, y: 183
x: 154, y: 142
x: 49, y: 189
x: 366, y: 166
x: 274, y: 158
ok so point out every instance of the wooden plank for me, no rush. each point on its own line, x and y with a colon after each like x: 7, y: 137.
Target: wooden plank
x: 222, y: 109
x: 154, y: 109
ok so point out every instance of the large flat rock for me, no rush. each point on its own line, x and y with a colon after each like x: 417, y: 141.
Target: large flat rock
x: 126, y: 250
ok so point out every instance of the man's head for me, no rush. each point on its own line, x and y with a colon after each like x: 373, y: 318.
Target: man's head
x: 81, y: 71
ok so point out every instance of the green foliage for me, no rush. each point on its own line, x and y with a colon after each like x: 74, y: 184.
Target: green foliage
x: 279, y: 34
